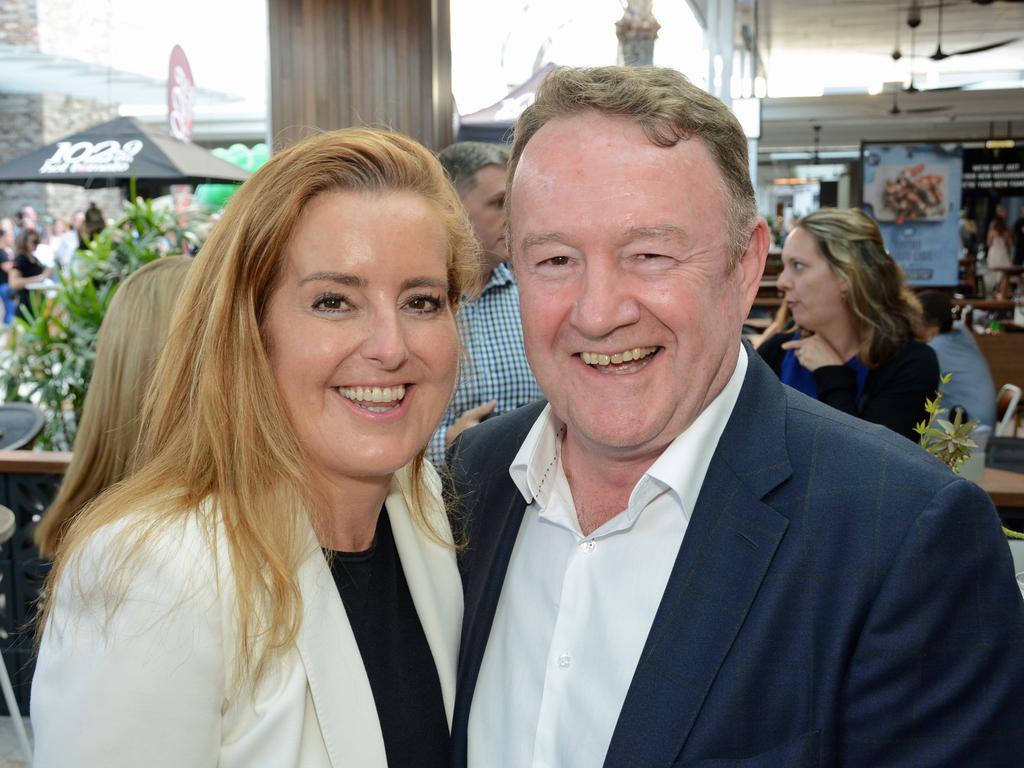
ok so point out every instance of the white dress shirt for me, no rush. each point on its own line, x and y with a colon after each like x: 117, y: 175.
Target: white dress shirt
x: 575, y: 610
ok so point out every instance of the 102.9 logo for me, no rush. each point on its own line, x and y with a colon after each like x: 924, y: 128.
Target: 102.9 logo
x: 86, y: 157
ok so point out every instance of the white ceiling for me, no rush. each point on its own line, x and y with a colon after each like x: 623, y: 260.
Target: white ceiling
x: 863, y: 33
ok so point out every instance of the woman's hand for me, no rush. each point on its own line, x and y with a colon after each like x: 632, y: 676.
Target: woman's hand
x: 813, y: 352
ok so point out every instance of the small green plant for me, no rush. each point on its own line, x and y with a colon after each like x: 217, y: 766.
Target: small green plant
x: 950, y: 441
x: 50, y: 354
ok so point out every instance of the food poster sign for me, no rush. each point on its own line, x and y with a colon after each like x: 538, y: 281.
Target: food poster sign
x: 913, y: 192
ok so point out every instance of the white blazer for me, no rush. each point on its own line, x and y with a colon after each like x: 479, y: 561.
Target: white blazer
x: 147, y: 685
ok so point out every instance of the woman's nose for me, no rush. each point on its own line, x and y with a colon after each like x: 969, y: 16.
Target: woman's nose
x: 385, y: 341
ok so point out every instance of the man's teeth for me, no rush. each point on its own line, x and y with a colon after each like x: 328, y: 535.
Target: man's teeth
x: 373, y: 394
x: 637, y: 353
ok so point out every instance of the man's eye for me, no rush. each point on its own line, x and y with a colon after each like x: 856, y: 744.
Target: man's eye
x: 330, y: 302
x: 424, y: 304
x: 556, y: 261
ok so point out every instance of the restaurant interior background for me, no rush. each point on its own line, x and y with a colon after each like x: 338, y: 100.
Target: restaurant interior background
x: 826, y: 75
x: 841, y: 98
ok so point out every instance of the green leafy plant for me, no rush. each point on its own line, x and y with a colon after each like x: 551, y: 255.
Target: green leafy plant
x: 50, y: 354
x: 949, y: 440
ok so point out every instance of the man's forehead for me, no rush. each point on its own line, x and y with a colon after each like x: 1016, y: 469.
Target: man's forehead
x: 594, y: 147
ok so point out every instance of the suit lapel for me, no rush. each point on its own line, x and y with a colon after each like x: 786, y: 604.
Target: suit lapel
x: 492, y: 560
x: 729, y: 545
x: 334, y: 667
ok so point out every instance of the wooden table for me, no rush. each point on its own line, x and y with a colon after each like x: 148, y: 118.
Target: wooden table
x: 1005, y: 488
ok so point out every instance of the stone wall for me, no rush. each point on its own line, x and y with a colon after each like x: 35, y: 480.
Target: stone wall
x: 59, y: 28
x: 19, y: 23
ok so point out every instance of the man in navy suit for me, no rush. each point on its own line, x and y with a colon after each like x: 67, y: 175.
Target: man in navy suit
x: 677, y: 560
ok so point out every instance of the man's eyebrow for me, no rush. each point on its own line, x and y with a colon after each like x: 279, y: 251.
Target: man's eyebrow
x: 342, y: 278
x: 665, y: 232
x: 532, y: 241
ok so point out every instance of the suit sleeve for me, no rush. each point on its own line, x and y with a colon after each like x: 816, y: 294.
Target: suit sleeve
x: 136, y: 683
x: 937, y: 675
x: 896, y: 401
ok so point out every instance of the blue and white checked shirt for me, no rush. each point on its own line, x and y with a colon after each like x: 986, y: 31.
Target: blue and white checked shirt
x: 495, y: 366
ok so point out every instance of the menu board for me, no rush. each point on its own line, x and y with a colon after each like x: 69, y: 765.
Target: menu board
x: 994, y: 171
x: 913, y: 192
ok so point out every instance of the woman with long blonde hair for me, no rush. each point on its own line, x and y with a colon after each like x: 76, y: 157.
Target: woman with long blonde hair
x: 276, y: 585
x: 857, y: 345
x: 130, y: 339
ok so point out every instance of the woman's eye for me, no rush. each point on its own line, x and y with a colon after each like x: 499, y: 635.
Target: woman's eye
x: 330, y: 302
x: 424, y: 304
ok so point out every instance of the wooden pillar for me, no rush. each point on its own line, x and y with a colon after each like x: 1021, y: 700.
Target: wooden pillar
x: 379, y: 63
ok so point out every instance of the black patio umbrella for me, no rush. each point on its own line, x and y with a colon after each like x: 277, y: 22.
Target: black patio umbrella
x: 112, y: 153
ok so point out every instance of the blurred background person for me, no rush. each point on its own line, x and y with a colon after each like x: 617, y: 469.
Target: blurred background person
x: 63, y: 242
x: 27, y: 268
x: 130, y: 339
x: 495, y: 376
x: 855, y: 347
x: 10, y: 302
x: 276, y: 585
x: 971, y: 387
x: 998, y: 244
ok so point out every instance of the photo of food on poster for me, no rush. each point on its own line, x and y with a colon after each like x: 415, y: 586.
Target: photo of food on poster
x: 913, y: 192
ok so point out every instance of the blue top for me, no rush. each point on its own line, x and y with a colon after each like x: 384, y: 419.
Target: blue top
x: 802, y: 379
x: 971, y: 386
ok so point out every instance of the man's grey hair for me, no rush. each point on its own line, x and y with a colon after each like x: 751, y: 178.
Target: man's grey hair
x: 462, y: 161
x: 669, y: 108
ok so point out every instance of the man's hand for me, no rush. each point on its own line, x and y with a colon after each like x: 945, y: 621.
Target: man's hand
x: 813, y: 352
x: 470, y: 418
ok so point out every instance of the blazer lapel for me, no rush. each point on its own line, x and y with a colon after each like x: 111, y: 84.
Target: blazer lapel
x: 434, y: 583
x: 334, y: 667
x: 728, y: 547
x: 494, y: 550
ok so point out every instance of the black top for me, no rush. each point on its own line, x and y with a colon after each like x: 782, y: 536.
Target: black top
x: 4, y: 258
x: 894, y: 392
x: 27, y: 266
x: 398, y: 662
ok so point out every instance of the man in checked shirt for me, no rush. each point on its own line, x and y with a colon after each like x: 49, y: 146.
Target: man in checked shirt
x: 495, y: 375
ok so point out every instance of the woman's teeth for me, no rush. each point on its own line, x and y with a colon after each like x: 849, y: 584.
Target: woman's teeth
x: 629, y: 355
x: 388, y: 397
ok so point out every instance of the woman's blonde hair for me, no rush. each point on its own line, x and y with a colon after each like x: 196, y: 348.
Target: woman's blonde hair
x: 130, y: 339
x: 885, y: 309
x: 214, y: 430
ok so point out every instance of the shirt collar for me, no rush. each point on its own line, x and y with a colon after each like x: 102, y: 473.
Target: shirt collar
x: 500, y: 275
x: 679, y: 470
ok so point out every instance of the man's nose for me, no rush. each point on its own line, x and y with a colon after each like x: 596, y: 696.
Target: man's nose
x: 385, y: 342
x: 605, y: 301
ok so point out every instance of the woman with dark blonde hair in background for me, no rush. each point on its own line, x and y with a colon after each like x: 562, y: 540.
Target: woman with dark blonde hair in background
x: 131, y: 336
x: 275, y: 585
x: 857, y: 345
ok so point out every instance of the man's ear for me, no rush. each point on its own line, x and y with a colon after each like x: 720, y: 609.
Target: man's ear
x: 752, y: 260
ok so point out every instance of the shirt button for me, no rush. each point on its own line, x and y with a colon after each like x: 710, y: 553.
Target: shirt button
x: 588, y: 546
x: 565, y: 661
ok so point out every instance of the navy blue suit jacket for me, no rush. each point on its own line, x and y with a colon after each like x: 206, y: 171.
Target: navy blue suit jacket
x: 839, y: 598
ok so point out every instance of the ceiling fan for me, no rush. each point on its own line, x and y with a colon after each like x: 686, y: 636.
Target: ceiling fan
x: 941, y: 55
x: 895, y: 109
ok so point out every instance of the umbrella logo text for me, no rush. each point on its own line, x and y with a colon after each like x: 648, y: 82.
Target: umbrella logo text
x: 86, y: 157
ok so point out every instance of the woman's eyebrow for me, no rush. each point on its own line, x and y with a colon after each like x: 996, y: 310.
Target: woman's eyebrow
x: 344, y: 278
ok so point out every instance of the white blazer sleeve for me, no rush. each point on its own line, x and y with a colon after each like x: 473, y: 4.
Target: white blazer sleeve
x: 143, y: 686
